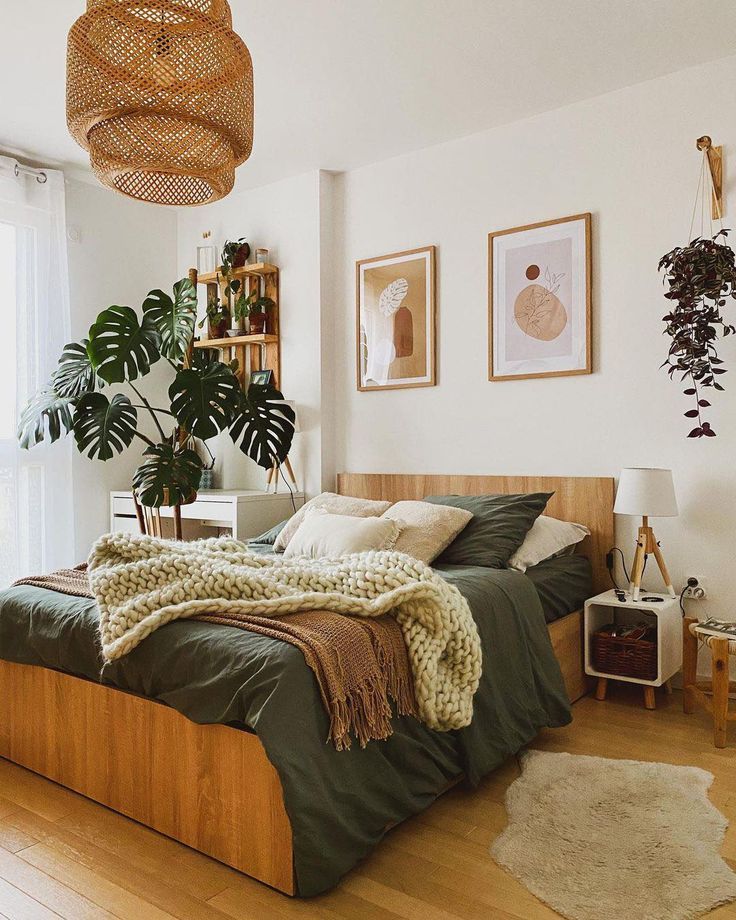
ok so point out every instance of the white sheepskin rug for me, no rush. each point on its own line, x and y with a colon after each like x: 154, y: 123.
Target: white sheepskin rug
x: 601, y: 839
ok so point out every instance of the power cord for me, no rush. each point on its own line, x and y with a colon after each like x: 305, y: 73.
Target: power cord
x: 280, y: 472
x: 610, y: 565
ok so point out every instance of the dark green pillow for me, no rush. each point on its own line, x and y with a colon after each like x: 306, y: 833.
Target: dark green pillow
x: 496, y: 530
x: 269, y: 537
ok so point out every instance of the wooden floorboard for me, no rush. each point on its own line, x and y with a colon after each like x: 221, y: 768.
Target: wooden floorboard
x: 64, y: 856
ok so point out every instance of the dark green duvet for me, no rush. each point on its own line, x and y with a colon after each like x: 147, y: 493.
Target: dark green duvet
x: 339, y: 803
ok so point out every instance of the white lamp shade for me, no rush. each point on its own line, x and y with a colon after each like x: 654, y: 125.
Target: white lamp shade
x: 646, y: 493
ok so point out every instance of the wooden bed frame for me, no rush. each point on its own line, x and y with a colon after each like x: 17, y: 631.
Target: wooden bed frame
x: 210, y: 786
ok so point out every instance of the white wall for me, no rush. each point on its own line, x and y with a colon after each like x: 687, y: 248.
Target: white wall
x: 628, y: 157
x: 123, y: 250
x: 285, y: 219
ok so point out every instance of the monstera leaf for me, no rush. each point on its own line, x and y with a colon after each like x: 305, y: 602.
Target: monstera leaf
x: 120, y: 347
x: 46, y: 413
x: 173, y: 319
x: 206, y: 400
x: 167, y: 476
x: 75, y: 374
x: 103, y: 428
x: 265, y: 426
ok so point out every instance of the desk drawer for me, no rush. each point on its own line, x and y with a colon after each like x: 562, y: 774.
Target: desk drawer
x: 209, y: 511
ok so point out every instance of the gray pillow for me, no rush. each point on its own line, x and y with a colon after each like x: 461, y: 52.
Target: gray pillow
x: 497, y: 529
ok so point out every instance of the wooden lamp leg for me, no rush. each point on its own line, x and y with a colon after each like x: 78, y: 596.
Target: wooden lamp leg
x: 290, y: 471
x: 662, y: 567
x: 637, y: 569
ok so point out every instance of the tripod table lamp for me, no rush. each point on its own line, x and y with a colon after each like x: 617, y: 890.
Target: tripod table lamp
x: 646, y: 493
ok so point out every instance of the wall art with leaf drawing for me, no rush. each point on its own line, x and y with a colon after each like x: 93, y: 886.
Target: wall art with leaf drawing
x: 395, y: 320
x: 539, y: 284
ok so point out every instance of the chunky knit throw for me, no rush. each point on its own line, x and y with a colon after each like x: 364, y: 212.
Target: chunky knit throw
x: 141, y: 583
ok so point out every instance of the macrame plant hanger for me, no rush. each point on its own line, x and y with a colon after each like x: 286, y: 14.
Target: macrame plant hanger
x: 709, y: 194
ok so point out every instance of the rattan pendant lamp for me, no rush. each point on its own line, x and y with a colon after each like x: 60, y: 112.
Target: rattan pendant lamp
x: 161, y: 94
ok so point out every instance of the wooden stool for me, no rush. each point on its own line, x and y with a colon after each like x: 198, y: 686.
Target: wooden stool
x: 711, y: 694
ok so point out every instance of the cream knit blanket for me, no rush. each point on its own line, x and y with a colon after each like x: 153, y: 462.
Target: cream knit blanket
x: 141, y: 583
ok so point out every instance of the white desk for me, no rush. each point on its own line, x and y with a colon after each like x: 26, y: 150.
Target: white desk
x: 243, y: 513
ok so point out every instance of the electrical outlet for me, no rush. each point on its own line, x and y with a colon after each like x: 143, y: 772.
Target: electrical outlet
x: 695, y: 589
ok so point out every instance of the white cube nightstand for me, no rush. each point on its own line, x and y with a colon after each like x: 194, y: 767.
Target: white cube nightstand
x: 665, y: 615
x: 243, y: 513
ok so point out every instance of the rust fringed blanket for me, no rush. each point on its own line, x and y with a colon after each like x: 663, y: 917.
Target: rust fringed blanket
x: 361, y: 666
x: 360, y: 663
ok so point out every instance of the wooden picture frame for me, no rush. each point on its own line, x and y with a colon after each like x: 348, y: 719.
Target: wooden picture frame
x: 404, y: 283
x: 560, y: 343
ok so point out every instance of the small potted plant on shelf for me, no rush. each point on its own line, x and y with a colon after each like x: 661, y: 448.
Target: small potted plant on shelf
x: 252, y: 307
x: 258, y: 315
x: 234, y: 255
x: 217, y: 317
x: 241, y: 307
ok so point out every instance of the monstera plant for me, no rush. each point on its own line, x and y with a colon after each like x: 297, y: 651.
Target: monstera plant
x: 205, y: 398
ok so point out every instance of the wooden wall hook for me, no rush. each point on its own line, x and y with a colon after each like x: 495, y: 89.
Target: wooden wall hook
x: 715, y: 165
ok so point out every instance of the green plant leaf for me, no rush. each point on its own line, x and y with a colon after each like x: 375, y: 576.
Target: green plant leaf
x: 47, y: 414
x: 74, y: 374
x: 173, y: 319
x: 120, y: 347
x: 167, y: 475
x: 265, y: 427
x: 103, y: 428
x: 205, y: 399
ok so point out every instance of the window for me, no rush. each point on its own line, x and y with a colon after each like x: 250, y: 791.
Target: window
x: 36, y: 521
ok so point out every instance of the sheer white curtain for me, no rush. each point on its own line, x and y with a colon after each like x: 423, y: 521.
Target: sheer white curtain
x: 36, y: 509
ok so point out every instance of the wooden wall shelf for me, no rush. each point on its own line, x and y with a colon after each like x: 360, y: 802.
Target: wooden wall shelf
x: 253, y: 352
x: 230, y: 340
x: 257, y: 268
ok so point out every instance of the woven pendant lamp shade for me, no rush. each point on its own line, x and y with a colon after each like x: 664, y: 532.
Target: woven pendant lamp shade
x: 161, y: 94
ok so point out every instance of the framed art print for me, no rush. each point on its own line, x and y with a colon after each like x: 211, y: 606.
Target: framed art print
x: 395, y: 320
x: 539, y: 284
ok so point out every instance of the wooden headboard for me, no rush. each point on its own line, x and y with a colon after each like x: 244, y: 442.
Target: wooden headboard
x: 584, y: 499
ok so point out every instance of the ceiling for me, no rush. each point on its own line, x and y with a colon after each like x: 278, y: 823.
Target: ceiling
x: 342, y: 83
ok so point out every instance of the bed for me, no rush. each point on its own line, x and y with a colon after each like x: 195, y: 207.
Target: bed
x: 275, y: 802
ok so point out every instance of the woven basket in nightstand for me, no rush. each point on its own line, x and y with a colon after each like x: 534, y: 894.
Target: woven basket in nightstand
x: 626, y: 657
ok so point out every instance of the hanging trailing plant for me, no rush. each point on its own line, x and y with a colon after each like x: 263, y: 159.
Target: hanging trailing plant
x: 699, y: 277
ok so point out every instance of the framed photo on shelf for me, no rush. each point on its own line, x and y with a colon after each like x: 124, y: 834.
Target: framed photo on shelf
x: 539, y: 286
x: 395, y: 320
x: 261, y: 378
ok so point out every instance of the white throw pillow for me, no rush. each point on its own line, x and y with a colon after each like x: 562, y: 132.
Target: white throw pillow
x: 322, y: 534
x: 426, y: 528
x: 548, y: 537
x: 335, y: 504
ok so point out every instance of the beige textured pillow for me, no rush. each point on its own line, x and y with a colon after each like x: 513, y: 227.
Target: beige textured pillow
x: 335, y: 504
x: 322, y: 534
x: 426, y: 529
x: 548, y: 537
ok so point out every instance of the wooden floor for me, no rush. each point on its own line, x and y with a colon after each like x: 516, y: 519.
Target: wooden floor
x: 63, y: 856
